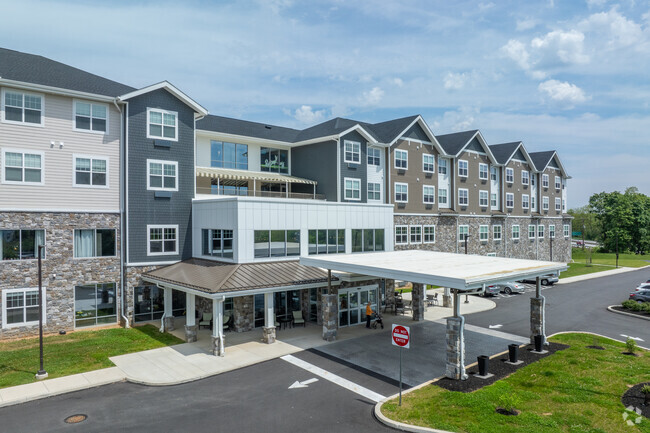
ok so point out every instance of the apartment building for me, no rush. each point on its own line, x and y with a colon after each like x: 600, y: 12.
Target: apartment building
x: 150, y: 209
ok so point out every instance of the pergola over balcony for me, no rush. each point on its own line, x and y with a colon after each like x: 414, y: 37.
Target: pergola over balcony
x: 225, y: 181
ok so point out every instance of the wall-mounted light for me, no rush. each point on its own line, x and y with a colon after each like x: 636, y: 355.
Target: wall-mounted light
x: 60, y: 145
x: 51, y: 143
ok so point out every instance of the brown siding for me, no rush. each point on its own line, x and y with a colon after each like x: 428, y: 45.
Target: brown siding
x: 414, y: 176
x: 517, y: 188
x: 472, y: 183
x: 550, y: 192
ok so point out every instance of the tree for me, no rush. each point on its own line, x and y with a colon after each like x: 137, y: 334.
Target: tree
x: 585, y: 221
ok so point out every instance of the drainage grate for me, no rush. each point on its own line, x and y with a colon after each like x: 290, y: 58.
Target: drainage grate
x: 75, y: 419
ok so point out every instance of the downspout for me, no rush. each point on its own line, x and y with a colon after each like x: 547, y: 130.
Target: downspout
x: 338, y: 169
x: 122, y: 215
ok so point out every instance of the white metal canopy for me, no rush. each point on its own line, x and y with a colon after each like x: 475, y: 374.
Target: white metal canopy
x: 457, y: 271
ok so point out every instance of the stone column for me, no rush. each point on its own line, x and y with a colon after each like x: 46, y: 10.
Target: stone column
x: 268, y: 331
x: 190, y: 322
x: 243, y: 313
x: 537, y: 319
x: 218, y: 344
x: 330, y: 307
x: 390, y: 293
x: 455, y: 367
x: 446, y: 298
x: 417, y: 301
x: 168, y: 321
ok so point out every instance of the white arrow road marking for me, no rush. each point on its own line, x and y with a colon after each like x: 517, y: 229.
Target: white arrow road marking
x: 495, y: 326
x: 303, y: 384
x: 351, y: 386
x: 633, y: 338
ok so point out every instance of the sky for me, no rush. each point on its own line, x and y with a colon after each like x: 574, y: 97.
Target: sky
x: 571, y: 76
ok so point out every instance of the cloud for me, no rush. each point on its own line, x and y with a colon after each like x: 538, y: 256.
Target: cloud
x: 527, y: 24
x: 568, y: 47
x: 305, y: 114
x: 618, y: 31
x: 485, y: 6
x: 455, y: 81
x: 372, y: 97
x: 595, y: 3
x: 398, y: 82
x: 562, y: 92
x: 517, y: 51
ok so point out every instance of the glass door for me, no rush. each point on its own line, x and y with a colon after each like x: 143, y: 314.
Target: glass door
x: 354, y: 308
x: 313, y: 304
x: 258, y: 306
x: 343, y: 309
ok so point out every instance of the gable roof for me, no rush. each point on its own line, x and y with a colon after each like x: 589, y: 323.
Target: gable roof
x: 453, y: 143
x: 38, y: 70
x: 391, y: 130
x: 542, y: 159
x: 336, y: 126
x: 246, y: 128
x: 171, y: 89
x: 503, y: 152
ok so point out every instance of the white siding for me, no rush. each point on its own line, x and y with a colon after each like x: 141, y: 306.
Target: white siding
x: 57, y: 192
x: 376, y: 173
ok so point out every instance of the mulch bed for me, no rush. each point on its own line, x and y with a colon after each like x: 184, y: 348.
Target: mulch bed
x: 636, y: 313
x: 634, y: 397
x: 498, y: 368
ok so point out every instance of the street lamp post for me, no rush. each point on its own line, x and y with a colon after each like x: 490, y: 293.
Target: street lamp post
x: 583, y: 237
x: 551, y: 246
x: 617, y: 249
x: 42, y: 374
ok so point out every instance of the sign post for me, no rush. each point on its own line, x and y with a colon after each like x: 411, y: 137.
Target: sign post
x: 401, y: 338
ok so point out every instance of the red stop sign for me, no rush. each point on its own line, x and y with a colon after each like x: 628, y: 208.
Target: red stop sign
x: 401, y: 336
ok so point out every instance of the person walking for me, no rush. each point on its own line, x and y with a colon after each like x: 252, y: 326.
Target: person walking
x: 368, y: 315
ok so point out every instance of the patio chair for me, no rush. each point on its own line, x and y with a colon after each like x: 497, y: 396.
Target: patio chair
x: 275, y: 322
x: 399, y: 306
x: 408, y: 305
x: 297, y: 318
x: 226, y: 320
x: 206, y: 320
x: 432, y: 299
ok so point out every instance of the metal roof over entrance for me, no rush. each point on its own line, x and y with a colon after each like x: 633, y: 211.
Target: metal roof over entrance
x: 457, y: 271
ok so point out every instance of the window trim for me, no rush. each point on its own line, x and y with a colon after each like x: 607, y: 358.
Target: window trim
x: 159, y: 161
x: 374, y: 191
x: 91, y: 157
x: 534, y: 232
x: 416, y: 226
x: 545, y: 203
x: 14, y: 122
x: 512, y: 232
x: 459, y: 232
x: 525, y: 202
x: 395, y: 191
x: 558, y: 201
x: 487, y: 198
x: 545, y: 181
x: 433, y: 164
x: 353, y: 143
x: 558, y: 181
x: 487, y: 232
x: 540, y: 226
x: 510, y: 194
x: 23, y: 152
x: 424, y: 226
x: 74, y: 116
x: 494, y: 232
x: 511, y: 176
x: 6, y: 325
x: 405, y: 159
x: 446, y: 198
x: 162, y: 226
x: 551, y: 226
x: 21, y: 242
x: 161, y: 111
x: 368, y: 156
x: 353, y: 180
x: 487, y: 171
x: 466, y: 168
x: 566, y: 231
x: 401, y: 226
x: 94, y: 256
x: 433, y: 195
x: 527, y: 177
x: 467, y: 202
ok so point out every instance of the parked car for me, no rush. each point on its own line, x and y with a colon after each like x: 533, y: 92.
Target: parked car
x: 642, y: 286
x: 510, y: 287
x: 641, y: 296
x: 491, y: 291
x: 547, y: 280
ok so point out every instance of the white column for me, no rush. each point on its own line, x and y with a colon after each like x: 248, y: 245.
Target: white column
x: 168, y: 302
x: 268, y: 310
x: 217, y: 328
x: 190, y: 307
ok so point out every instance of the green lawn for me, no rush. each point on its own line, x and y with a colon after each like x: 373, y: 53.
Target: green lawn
x: 581, y: 269
x: 574, y: 390
x: 76, y: 352
x: 628, y: 260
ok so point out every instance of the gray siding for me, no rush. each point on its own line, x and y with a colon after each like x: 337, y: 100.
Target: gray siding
x: 519, y: 155
x: 475, y: 145
x: 357, y: 171
x: 143, y: 208
x: 416, y: 133
x: 317, y: 162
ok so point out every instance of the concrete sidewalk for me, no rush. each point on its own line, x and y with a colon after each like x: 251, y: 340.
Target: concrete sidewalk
x: 192, y: 361
x: 598, y: 274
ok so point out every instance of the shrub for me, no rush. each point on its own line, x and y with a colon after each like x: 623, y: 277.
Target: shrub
x: 630, y: 345
x: 633, y: 305
x: 646, y: 307
x: 509, y: 401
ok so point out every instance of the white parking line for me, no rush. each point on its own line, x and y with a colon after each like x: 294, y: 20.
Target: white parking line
x: 351, y: 386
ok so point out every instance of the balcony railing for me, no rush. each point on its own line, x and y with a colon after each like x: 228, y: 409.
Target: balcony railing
x: 251, y: 193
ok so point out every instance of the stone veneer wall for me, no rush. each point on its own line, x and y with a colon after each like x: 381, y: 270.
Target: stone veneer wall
x: 524, y: 248
x: 70, y: 272
x: 133, y: 279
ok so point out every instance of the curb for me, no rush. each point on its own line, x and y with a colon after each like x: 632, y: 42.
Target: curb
x: 593, y: 275
x: 611, y: 308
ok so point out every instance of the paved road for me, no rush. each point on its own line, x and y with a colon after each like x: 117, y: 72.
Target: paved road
x: 580, y: 306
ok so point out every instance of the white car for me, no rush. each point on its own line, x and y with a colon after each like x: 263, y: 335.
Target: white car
x: 510, y: 287
x: 642, y: 286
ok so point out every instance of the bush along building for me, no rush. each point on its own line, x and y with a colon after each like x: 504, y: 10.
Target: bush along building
x: 150, y: 209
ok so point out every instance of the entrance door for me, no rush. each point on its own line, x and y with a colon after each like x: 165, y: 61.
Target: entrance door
x: 352, y: 304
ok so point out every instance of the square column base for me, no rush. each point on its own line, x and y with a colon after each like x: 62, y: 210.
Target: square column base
x: 218, y: 346
x: 168, y: 322
x: 537, y: 319
x: 268, y: 334
x: 190, y: 333
x: 455, y: 356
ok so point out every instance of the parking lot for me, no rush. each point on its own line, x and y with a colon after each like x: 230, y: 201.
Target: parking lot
x: 529, y: 288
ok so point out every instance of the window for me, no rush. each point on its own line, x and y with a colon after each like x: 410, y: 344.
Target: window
x: 429, y: 234
x: 352, y: 152
x: 462, y: 231
x: 491, y: 254
x: 326, y: 241
x: 558, y: 204
x: 162, y: 175
x: 366, y: 240
x: 276, y: 243
x: 493, y: 200
x: 20, y: 307
x: 533, y: 206
x: 416, y: 234
x: 515, y: 232
x: 483, y: 198
x: 401, y: 159
x: 274, y: 160
x: 442, y: 166
x: 401, y: 192
x: 558, y: 183
x: 463, y: 197
x: 493, y: 174
x: 95, y: 304
x: 428, y: 194
x: 551, y: 231
x: 89, y: 171
x: 525, y: 177
x: 352, y: 189
x: 374, y: 191
x: 20, y: 107
x: 545, y: 203
x: 483, y: 233
x: 545, y: 180
x: 401, y: 235
x: 442, y: 195
x: 525, y: 201
x: 218, y: 243
x: 90, y: 117
x: 532, y: 179
x: 510, y: 200
x: 565, y: 230
x: 162, y: 124
x: 496, y: 232
x: 428, y: 163
x: 228, y: 155
x: 22, y: 168
x: 531, y: 231
x: 540, y: 231
x: 94, y: 243
x: 510, y: 175
x: 462, y: 168
x: 483, y: 171
x: 21, y: 244
x: 374, y: 156
x: 162, y: 240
